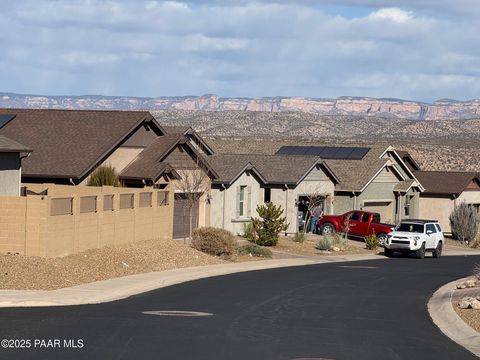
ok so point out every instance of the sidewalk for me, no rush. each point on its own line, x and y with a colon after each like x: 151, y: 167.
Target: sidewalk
x: 123, y: 287
x: 450, y: 324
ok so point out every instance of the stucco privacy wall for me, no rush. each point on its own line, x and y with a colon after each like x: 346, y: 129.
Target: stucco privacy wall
x: 29, y: 225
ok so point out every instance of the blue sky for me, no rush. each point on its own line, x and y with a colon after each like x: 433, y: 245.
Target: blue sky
x: 419, y: 50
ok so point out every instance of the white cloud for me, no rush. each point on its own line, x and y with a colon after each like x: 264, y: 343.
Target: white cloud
x: 393, y: 14
x: 239, y: 48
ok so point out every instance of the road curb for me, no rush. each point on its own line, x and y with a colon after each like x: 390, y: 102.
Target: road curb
x: 124, y: 287
x: 450, y: 324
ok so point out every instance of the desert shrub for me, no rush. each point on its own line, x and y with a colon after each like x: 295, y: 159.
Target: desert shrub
x: 249, y: 231
x: 214, y: 241
x: 327, y: 242
x: 255, y: 250
x: 464, y: 222
x: 269, y: 225
x: 475, y: 243
x: 371, y: 242
x: 104, y: 175
x: 299, y: 237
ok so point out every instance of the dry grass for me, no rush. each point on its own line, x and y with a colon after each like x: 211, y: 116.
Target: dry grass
x: 286, y: 244
x: 20, y: 272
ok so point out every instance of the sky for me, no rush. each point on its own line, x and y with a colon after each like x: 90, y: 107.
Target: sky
x: 421, y: 50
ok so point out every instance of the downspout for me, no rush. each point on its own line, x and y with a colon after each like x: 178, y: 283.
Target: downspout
x: 454, y: 201
x: 224, y: 201
x: 71, y: 181
x: 354, y: 200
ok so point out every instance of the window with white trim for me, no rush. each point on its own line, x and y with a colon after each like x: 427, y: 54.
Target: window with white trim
x: 242, y: 201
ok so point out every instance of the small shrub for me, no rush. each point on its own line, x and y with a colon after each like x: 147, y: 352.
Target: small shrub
x: 371, y: 242
x: 299, y: 237
x: 104, y: 175
x: 325, y: 243
x: 475, y: 243
x: 249, y: 231
x: 254, y: 250
x: 214, y: 241
x: 269, y: 225
x: 464, y: 222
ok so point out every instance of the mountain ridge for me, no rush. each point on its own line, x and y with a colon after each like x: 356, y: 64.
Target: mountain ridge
x: 442, y: 109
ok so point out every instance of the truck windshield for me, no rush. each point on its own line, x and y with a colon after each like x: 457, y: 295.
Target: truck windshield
x: 408, y: 227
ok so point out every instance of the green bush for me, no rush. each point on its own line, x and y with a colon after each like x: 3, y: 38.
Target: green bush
x: 327, y: 242
x: 299, y: 237
x: 214, y: 241
x: 249, y: 231
x: 269, y: 225
x: 464, y: 221
x: 104, y: 175
x: 255, y: 250
x: 371, y: 242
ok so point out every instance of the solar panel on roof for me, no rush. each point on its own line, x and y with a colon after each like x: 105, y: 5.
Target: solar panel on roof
x: 326, y: 152
x: 5, y: 119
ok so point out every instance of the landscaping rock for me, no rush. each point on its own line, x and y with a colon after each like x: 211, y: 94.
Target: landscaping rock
x: 467, y: 284
x: 336, y: 249
x: 469, y: 303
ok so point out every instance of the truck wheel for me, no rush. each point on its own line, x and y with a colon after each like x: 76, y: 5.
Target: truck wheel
x: 327, y: 229
x: 388, y: 252
x: 382, y: 238
x: 420, y: 253
x: 438, y: 250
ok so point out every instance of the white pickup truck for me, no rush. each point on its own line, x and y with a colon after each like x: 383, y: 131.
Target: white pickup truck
x: 418, y: 236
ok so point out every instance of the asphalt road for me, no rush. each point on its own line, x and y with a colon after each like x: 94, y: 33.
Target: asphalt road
x: 360, y: 310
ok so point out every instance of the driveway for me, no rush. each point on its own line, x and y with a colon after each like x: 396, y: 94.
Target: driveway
x: 360, y: 310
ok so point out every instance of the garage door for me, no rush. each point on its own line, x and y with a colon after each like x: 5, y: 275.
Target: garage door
x: 181, y: 221
x: 384, y: 208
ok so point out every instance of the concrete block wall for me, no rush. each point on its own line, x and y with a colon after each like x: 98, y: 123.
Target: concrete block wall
x: 27, y: 226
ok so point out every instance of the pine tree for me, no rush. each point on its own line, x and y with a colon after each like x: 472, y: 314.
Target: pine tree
x: 269, y: 225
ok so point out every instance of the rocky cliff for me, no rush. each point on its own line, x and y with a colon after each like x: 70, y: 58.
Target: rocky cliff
x: 350, y: 106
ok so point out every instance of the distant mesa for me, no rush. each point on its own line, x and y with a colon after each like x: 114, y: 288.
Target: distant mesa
x: 443, y: 109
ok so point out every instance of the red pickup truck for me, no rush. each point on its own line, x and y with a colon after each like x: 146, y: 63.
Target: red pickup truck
x: 361, y: 224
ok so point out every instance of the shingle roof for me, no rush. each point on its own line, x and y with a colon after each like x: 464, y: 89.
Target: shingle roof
x: 69, y: 143
x: 176, y: 129
x: 404, y: 185
x: 408, y: 160
x: 445, y: 182
x: 9, y: 145
x: 271, y: 168
x: 148, y: 164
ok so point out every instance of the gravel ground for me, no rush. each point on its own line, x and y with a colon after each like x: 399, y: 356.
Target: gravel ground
x: 308, y: 247
x: 470, y: 316
x: 21, y: 272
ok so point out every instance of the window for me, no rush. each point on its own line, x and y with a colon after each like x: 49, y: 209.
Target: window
x: 162, y: 198
x: 241, y: 203
x: 438, y: 227
x: 145, y: 199
x: 267, y: 195
x: 107, y: 202
x: 355, y: 216
x: 408, y: 200
x: 376, y: 218
x: 408, y: 227
x: 88, y: 204
x: 126, y: 201
x: 365, y: 217
x: 61, y: 206
x: 431, y: 227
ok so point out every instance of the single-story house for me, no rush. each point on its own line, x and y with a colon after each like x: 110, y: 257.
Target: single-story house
x: 373, y: 178
x: 444, y: 190
x: 11, y: 155
x: 245, y: 181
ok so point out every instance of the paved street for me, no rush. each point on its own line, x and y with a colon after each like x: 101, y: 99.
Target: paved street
x: 360, y: 310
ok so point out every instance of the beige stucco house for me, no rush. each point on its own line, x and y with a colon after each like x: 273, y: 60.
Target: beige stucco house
x: 245, y: 181
x: 11, y: 155
x: 444, y: 191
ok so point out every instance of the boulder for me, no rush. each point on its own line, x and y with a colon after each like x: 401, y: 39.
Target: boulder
x: 336, y: 249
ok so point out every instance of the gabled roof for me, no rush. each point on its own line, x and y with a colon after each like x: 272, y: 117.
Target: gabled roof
x: 189, y: 132
x: 408, y: 160
x: 405, y: 185
x: 271, y: 169
x: 9, y: 145
x: 446, y: 182
x: 148, y: 164
x: 70, y: 143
